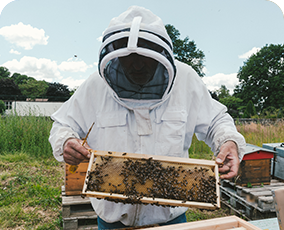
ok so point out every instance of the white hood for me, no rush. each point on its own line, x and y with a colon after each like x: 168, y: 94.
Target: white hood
x: 136, y: 25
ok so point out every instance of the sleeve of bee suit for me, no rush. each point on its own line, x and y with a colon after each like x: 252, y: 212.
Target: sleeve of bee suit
x: 213, y: 124
x: 74, y: 118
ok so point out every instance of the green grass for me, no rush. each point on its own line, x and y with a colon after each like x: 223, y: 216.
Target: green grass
x: 202, y: 214
x: 30, y: 192
x: 27, y: 134
x: 199, y: 150
x: 31, y: 179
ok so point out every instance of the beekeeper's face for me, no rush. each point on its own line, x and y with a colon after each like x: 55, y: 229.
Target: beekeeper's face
x: 138, y: 69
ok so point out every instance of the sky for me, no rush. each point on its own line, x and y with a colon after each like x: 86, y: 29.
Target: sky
x: 59, y: 40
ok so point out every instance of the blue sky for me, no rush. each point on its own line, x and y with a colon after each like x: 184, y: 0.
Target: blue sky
x: 59, y: 40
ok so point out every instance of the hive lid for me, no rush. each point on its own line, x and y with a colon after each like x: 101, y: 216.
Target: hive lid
x: 278, y: 148
x: 261, y: 152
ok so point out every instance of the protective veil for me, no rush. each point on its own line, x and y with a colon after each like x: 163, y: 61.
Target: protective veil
x: 137, y: 31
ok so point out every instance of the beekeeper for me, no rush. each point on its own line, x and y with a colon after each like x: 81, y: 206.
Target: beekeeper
x: 143, y: 101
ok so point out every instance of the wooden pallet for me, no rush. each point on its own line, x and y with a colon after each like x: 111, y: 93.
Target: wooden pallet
x: 77, y: 212
x: 252, y: 203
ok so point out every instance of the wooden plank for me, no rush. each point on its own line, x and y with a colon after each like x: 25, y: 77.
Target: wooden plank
x: 261, y: 193
x: 154, y: 157
x: 222, y: 223
x: 70, y: 224
x: 248, y: 226
x: 278, y: 195
x: 239, y: 228
x: 84, y: 215
x: 74, y: 200
x: 159, y: 201
x: 218, y: 224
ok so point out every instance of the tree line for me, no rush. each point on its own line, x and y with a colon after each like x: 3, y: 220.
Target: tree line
x: 20, y: 87
x: 259, y: 94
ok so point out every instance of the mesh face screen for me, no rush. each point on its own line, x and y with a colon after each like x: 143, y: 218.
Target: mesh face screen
x: 154, y: 89
x: 118, y: 75
x: 153, y: 179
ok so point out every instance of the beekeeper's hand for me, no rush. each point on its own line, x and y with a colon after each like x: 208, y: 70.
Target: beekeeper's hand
x: 74, y: 153
x: 228, y: 160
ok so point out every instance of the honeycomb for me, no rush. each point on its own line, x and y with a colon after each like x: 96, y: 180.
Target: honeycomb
x: 145, y: 177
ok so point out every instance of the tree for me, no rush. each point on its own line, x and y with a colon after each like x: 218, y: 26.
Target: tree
x: 186, y: 50
x: 270, y: 112
x: 250, y: 110
x: 233, y: 104
x: 20, y: 79
x: 223, y: 92
x: 4, y: 72
x: 9, y: 90
x: 262, y: 78
x: 2, y: 107
x: 33, y: 88
x: 57, y: 92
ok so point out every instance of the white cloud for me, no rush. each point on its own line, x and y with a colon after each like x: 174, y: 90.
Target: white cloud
x: 24, y: 36
x: 214, y: 82
x: 71, y: 82
x: 246, y: 55
x: 74, y: 66
x: 12, y: 51
x: 38, y: 68
x: 48, y: 70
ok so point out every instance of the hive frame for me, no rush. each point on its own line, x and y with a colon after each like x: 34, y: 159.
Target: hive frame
x: 161, y: 201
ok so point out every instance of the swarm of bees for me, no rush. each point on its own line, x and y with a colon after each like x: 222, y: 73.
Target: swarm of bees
x: 139, y: 178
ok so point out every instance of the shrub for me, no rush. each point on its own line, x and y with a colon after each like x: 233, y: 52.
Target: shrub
x: 2, y: 107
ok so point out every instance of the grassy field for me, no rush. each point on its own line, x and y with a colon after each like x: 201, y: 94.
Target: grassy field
x: 31, y: 179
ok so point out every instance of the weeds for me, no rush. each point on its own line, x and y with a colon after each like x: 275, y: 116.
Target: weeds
x: 31, y: 179
x: 258, y: 134
x: 25, y: 134
x: 255, y: 134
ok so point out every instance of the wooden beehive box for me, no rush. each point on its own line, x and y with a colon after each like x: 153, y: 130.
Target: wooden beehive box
x: 158, y: 180
x: 74, y: 181
x: 222, y: 223
x: 255, y: 168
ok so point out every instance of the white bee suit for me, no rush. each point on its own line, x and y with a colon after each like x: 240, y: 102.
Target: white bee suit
x: 162, y: 126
